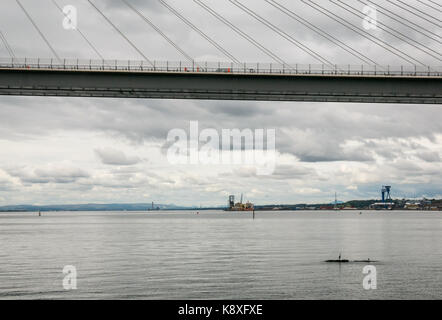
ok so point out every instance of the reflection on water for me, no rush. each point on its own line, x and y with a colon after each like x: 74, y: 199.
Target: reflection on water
x: 220, y: 255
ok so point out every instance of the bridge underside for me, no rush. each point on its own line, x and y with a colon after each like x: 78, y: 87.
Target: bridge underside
x: 221, y: 86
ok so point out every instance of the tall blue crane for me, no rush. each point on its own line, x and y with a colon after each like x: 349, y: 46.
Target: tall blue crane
x: 386, y: 193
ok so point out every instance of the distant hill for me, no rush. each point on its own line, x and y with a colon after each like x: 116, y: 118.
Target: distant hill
x: 358, y: 204
x: 93, y: 207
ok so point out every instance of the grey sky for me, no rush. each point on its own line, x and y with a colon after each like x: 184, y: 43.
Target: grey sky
x: 76, y: 150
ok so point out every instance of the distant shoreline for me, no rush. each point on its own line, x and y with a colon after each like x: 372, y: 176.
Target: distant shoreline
x: 407, y: 204
x: 223, y: 210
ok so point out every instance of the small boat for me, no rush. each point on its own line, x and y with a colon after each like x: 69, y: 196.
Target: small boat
x: 346, y: 261
x: 339, y: 260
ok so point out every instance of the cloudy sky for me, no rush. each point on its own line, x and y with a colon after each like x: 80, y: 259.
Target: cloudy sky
x: 78, y: 150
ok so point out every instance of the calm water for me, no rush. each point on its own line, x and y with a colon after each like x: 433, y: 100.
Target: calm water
x: 219, y: 255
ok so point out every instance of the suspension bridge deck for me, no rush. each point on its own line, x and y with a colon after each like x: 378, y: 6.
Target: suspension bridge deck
x: 217, y: 81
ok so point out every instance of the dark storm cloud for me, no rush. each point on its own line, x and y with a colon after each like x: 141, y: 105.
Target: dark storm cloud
x: 312, y: 132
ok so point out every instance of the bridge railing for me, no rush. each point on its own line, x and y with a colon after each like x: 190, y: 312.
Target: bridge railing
x: 218, y: 67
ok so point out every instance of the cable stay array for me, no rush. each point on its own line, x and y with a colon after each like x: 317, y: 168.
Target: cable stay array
x: 430, y: 6
x: 321, y: 32
x: 199, y: 31
x: 404, y: 21
x: 397, y: 52
x: 414, y: 11
x: 430, y: 15
x: 387, y: 29
x: 121, y: 33
x: 241, y: 33
x: 6, y: 44
x: 420, y: 11
x: 38, y: 30
x: 81, y: 33
x: 282, y: 33
x: 158, y: 30
x: 437, y: 4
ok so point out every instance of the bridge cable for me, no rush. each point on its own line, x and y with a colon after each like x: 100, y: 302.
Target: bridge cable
x: 380, y: 24
x: 281, y: 32
x: 438, y: 4
x: 241, y: 33
x: 81, y: 33
x: 420, y: 11
x: 39, y: 31
x: 199, y: 31
x: 7, y: 46
x: 429, y: 5
x: 321, y: 32
x: 121, y: 33
x: 383, y: 24
x: 171, y: 42
x: 363, y: 33
x: 414, y: 13
x: 401, y: 20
